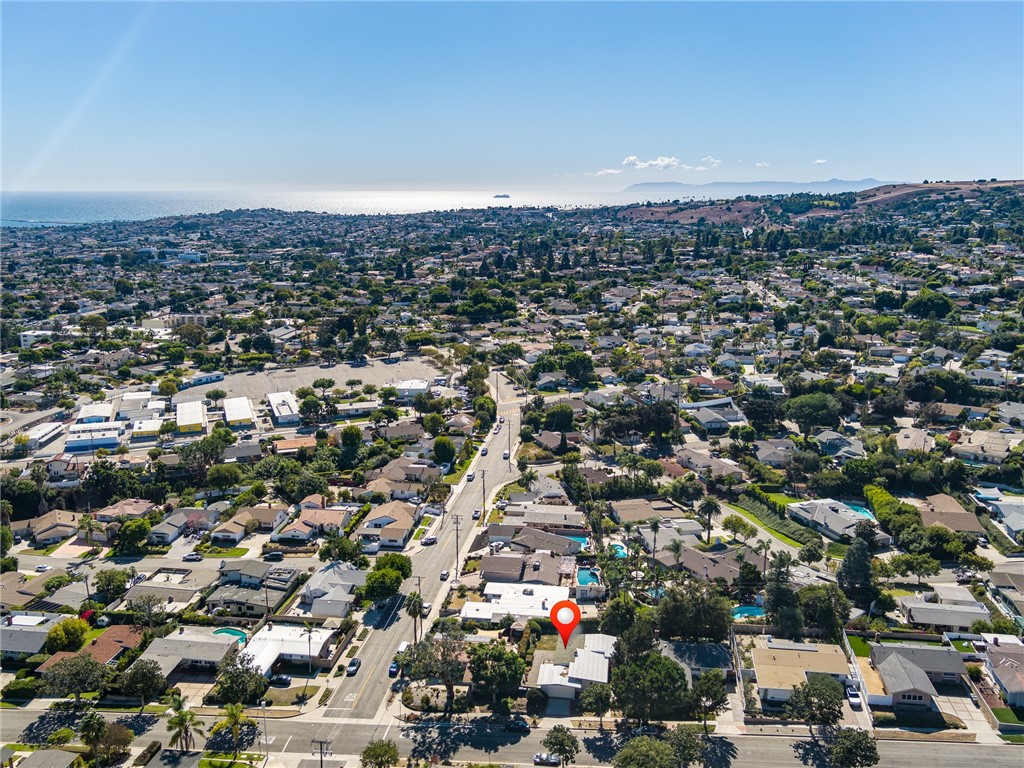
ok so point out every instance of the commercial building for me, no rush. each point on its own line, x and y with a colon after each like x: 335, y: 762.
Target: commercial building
x: 95, y: 413
x: 41, y: 434
x: 238, y: 412
x: 284, y: 408
x: 191, y: 417
x: 91, y: 440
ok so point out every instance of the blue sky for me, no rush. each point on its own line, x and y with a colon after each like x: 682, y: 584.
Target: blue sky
x: 531, y: 96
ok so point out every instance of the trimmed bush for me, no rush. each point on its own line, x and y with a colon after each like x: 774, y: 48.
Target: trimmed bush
x: 148, y: 753
x: 27, y: 688
x: 883, y: 720
x: 767, y: 513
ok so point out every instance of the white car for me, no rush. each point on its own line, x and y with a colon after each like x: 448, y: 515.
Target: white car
x: 854, y: 696
x: 43, y: 568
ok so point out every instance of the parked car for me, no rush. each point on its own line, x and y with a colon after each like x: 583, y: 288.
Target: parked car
x: 425, y: 610
x: 477, y: 513
x: 429, y: 540
x: 505, y: 455
x: 273, y: 557
x: 517, y: 726
x: 982, y: 541
x: 445, y: 575
x: 470, y: 477
x: 281, y: 680
x: 501, y: 419
x: 483, y: 451
x: 856, y: 702
x: 353, y: 667
x: 43, y: 568
x: 393, y: 669
x: 545, y: 758
x: 193, y: 557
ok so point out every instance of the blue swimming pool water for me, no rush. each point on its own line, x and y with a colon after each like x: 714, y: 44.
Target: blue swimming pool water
x: 586, y: 576
x: 747, y: 612
x: 231, y: 631
x: 583, y: 540
x: 861, y: 510
x: 620, y: 551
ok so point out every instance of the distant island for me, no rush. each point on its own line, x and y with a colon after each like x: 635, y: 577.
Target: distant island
x: 503, y: 196
x: 726, y: 189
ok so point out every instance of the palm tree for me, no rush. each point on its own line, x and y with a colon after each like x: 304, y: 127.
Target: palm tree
x: 414, y: 608
x: 763, y: 547
x: 183, y: 725
x: 675, y: 548
x: 234, y: 719
x: 528, y: 478
x: 708, y: 510
x: 91, y: 731
x: 89, y: 525
x: 308, y: 630
x: 38, y: 475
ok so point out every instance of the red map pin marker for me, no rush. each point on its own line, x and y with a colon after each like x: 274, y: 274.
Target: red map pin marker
x: 565, y: 615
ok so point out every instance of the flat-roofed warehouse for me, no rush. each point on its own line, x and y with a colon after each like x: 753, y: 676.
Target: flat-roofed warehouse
x: 284, y: 407
x: 191, y: 416
x: 238, y: 412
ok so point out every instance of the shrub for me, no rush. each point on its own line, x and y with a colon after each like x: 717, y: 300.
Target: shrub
x: 34, y: 661
x: 974, y: 672
x: 27, y: 688
x: 148, y: 753
x: 883, y: 720
x: 775, y: 520
x: 60, y: 737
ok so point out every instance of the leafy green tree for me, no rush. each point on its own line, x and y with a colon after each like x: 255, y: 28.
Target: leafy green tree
x: 819, y: 701
x: 652, y: 688
x: 498, y: 671
x: 927, y: 303
x: 133, y: 535
x: 351, y: 436
x: 853, y: 748
x: 825, y: 607
x: 76, y: 675
x: 444, y: 450
x: 708, y: 696
x: 855, y: 576
x: 811, y: 553
x: 596, y: 698
x: 379, y: 753
x: 394, y: 561
x: 382, y: 584
x: 739, y: 527
x: 434, y: 423
x: 6, y: 540
x: 224, y: 476
x: 619, y: 615
x: 67, y: 635
x: 440, y: 657
x: 111, y: 583
x: 240, y: 681
x: 339, y: 548
x: 323, y: 384
x: 216, y: 395
x: 234, y: 720
x: 816, y: 409
x: 143, y: 679
x: 114, y: 745
x: 559, y: 418
x: 562, y: 742
x: 645, y: 752
x: 686, y: 746
x: 694, y: 611
x: 414, y: 610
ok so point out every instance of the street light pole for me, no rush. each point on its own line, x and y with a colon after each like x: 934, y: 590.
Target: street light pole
x: 456, y: 520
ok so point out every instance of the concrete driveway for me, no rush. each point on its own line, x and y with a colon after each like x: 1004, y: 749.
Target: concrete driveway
x: 953, y: 702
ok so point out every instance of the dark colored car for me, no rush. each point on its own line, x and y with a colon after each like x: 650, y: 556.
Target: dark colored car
x: 544, y: 758
x: 280, y: 680
x: 517, y: 726
x: 394, y: 669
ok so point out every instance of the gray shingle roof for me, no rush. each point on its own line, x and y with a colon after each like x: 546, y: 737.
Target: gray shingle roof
x: 900, y: 674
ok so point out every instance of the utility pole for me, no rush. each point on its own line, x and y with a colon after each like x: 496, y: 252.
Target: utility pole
x: 483, y: 492
x: 456, y: 521
x: 321, y: 747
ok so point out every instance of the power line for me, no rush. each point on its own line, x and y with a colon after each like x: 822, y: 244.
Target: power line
x: 321, y: 747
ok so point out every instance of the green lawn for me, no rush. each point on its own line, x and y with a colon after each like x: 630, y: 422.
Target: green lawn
x: 221, y: 552
x: 92, y: 634
x: 915, y: 641
x: 964, y: 646
x: 761, y: 524
x: 45, y: 550
x: 836, y: 550
x: 1008, y: 715
x: 859, y: 645
x: 419, y: 533
x: 1012, y: 738
x: 781, y: 498
x: 283, y: 697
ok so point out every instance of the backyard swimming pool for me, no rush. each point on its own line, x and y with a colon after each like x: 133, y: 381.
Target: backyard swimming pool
x: 620, y: 551
x: 231, y: 631
x: 583, y: 540
x: 747, y: 612
x: 861, y: 510
x: 586, y: 576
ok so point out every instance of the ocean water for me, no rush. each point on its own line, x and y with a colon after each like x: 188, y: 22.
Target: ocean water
x: 33, y: 209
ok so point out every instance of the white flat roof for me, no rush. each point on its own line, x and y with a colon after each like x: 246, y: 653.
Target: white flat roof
x: 93, y: 410
x: 146, y: 425
x: 192, y: 412
x: 237, y: 409
x: 283, y: 404
x: 276, y: 639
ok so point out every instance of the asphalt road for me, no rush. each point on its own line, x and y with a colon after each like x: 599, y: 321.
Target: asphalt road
x: 293, y: 737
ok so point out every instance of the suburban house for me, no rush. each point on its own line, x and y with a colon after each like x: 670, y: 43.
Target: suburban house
x: 780, y: 666
x: 267, y: 517
x: 23, y: 633
x: 290, y: 643
x: 190, y: 650
x: 390, y: 524
x: 909, y: 672
x: 331, y: 590
x: 169, y: 529
x: 106, y: 649
x: 1005, y: 664
x: 942, y: 509
x: 832, y: 519
x: 943, y: 617
x: 912, y: 439
x: 49, y: 528
x: 252, y: 587
x: 986, y: 446
x: 1006, y: 585
x: 521, y: 601
x: 231, y: 532
x: 313, y: 522
x: 589, y: 665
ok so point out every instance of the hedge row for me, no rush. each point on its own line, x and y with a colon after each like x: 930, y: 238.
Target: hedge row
x: 27, y: 688
x: 778, y: 522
